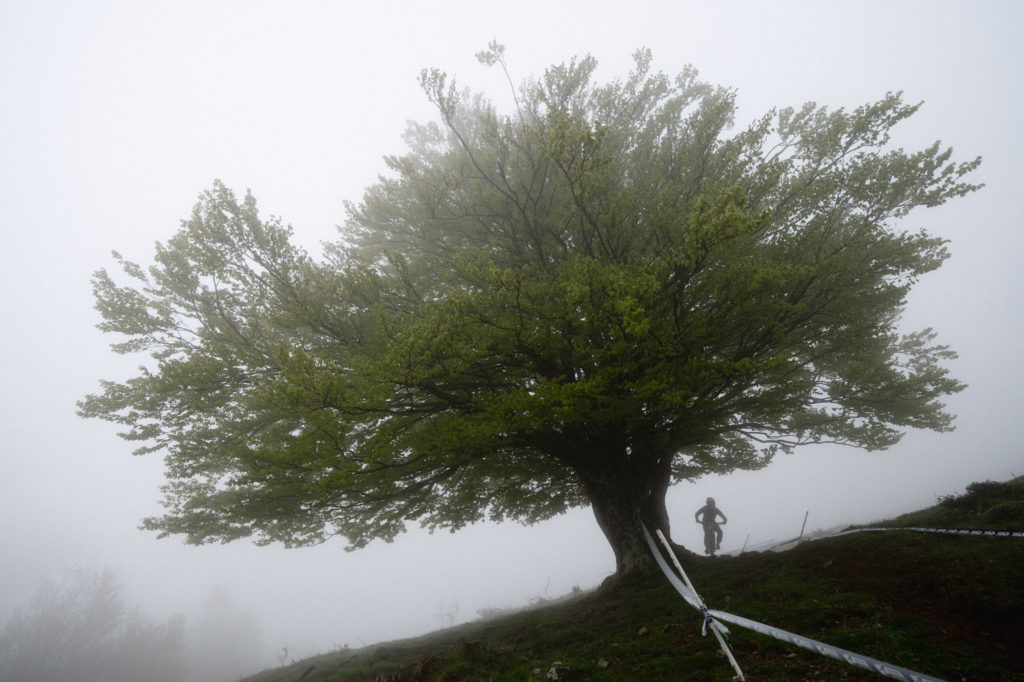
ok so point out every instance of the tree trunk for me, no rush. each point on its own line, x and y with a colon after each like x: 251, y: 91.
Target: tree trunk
x: 653, y: 510
x: 619, y: 519
x: 622, y: 512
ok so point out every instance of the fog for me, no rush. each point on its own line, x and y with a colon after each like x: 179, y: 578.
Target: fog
x: 114, y: 116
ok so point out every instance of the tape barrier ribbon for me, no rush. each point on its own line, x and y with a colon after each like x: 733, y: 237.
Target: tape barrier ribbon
x: 948, y: 531
x: 677, y: 583
x: 855, y: 659
x: 707, y: 620
x: 690, y: 595
x: 865, y: 662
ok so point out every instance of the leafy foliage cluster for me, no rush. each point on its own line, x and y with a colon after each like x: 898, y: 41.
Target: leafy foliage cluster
x: 980, y: 495
x: 583, y: 301
x: 996, y: 505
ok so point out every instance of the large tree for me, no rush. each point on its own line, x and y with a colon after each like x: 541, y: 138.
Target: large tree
x: 580, y: 302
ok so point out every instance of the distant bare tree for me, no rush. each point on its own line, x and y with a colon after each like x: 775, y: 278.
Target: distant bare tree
x: 79, y: 629
x: 224, y: 640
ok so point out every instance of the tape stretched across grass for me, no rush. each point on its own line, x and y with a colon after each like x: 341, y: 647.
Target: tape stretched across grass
x: 855, y: 659
x: 949, y: 531
x: 916, y: 529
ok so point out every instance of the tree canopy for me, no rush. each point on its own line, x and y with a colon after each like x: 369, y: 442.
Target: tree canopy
x: 603, y: 292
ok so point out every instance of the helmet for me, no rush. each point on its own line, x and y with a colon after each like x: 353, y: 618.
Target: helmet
x: 711, y: 501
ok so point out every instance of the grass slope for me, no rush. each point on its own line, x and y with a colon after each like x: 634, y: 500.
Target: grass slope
x: 948, y: 606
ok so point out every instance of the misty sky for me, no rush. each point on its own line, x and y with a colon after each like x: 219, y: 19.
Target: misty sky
x: 114, y: 116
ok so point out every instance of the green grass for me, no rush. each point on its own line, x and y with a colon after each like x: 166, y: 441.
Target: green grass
x: 948, y: 606
x: 987, y: 505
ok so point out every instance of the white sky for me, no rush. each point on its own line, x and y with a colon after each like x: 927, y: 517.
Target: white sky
x: 114, y: 116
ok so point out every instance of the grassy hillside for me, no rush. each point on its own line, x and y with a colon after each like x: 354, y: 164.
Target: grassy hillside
x: 947, y: 606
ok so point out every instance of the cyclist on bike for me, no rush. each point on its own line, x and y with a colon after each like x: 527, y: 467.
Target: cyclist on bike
x: 708, y: 517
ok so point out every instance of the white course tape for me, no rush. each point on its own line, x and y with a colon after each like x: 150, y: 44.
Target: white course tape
x: 948, y: 531
x: 773, y: 546
x: 720, y: 631
x: 865, y: 662
x: 682, y: 589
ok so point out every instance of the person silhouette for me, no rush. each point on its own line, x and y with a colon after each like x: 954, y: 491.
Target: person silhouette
x: 707, y: 516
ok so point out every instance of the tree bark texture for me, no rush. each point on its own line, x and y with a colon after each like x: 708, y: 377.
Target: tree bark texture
x: 622, y: 508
